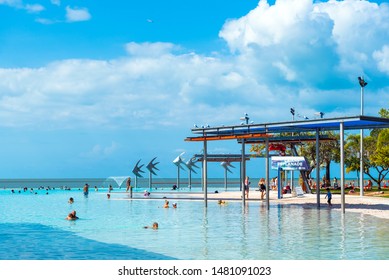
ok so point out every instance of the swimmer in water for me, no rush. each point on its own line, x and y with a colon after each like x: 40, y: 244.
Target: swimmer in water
x: 154, y: 226
x: 72, y: 216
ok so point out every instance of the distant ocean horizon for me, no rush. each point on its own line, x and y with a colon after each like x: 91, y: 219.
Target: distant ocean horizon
x: 118, y: 182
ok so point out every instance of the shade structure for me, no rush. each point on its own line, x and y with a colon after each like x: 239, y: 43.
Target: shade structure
x: 245, y: 133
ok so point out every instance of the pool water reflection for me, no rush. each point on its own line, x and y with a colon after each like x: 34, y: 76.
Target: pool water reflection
x: 34, y: 227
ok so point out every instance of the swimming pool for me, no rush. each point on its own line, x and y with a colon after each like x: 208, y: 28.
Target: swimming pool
x: 34, y: 227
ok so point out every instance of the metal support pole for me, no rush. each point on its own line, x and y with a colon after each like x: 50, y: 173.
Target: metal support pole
x: 361, y: 167
x: 317, y: 169
x: 205, y: 183
x: 342, y: 166
x: 279, y: 183
x: 267, y: 174
x: 240, y: 175
x: 225, y: 179
x: 292, y: 172
x: 178, y: 176
x: 362, y: 83
x: 243, y: 171
x: 190, y: 179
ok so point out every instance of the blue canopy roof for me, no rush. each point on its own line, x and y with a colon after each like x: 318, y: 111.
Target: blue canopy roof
x: 349, y: 123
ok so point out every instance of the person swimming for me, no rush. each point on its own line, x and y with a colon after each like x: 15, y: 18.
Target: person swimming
x: 166, y: 204
x: 71, y: 200
x: 72, y: 216
x: 154, y: 226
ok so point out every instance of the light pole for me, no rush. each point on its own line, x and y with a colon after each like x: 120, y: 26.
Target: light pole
x: 362, y: 83
x: 243, y: 162
x: 292, y: 111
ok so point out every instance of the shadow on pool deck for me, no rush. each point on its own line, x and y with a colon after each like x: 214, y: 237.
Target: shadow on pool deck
x: 26, y: 241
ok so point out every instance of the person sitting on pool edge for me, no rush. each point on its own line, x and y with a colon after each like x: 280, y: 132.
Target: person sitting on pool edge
x: 154, y: 226
x: 72, y: 216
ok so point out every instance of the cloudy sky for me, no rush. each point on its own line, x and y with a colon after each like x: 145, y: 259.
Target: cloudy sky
x: 88, y: 88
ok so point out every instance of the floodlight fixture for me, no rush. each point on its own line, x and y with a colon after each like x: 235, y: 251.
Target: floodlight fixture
x: 245, y: 118
x: 321, y: 114
x: 362, y: 83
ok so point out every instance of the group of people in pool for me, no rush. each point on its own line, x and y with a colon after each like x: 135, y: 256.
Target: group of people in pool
x: 73, y: 215
x: 166, y: 205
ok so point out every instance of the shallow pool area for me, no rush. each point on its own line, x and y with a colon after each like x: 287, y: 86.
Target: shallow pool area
x: 33, y: 226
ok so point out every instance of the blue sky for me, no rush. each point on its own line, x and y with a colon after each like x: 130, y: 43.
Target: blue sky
x: 87, y: 88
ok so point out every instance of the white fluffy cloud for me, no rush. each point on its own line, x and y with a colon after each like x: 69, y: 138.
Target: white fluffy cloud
x: 12, y: 3
x: 77, y: 14
x: 136, y: 91
x: 295, y: 53
x: 149, y: 49
x: 34, y: 8
x: 56, y: 2
x: 382, y: 58
x: 18, y: 4
x: 301, y: 40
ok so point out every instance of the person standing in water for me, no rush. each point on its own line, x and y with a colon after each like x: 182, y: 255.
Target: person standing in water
x: 86, y: 190
x: 329, y: 197
x: 247, y: 186
x: 128, y: 186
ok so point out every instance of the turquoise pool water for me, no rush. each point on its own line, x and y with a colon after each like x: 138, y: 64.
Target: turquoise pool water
x: 33, y: 226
